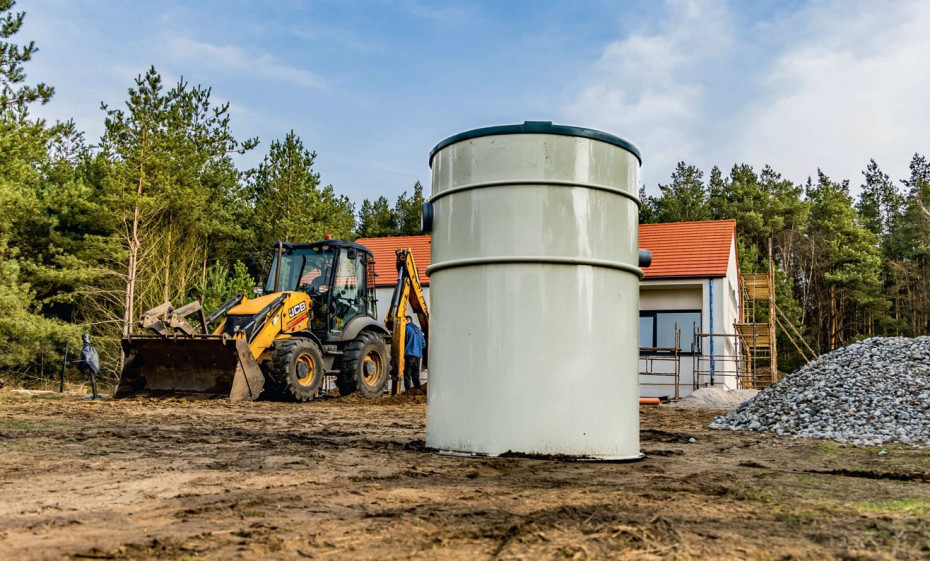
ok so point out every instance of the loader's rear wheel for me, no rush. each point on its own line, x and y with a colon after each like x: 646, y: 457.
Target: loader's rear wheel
x: 297, y: 368
x: 366, y: 366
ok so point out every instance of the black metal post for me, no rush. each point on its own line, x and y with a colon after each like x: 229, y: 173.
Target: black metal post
x: 93, y: 385
x: 277, y: 268
x: 64, y: 364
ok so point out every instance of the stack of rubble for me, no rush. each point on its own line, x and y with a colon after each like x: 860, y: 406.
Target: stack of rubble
x: 715, y: 398
x: 868, y: 393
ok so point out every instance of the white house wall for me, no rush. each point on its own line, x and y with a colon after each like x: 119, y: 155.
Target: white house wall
x: 725, y: 354
x: 717, y: 364
x: 384, y: 301
x: 679, y: 296
x: 730, y: 312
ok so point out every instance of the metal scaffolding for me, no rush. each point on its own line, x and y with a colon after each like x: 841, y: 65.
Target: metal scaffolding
x: 708, y: 368
x: 757, y: 339
x: 651, y: 357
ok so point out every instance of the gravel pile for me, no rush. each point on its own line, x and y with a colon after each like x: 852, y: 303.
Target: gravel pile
x: 715, y: 398
x: 868, y: 393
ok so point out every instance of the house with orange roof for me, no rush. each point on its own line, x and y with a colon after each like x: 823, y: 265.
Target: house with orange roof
x: 690, y: 290
x: 689, y: 300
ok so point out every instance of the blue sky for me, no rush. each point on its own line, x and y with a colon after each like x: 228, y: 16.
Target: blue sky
x: 372, y: 86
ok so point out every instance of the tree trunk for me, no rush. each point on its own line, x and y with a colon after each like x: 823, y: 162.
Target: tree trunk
x: 167, y: 292
x: 132, y: 266
x: 203, y: 276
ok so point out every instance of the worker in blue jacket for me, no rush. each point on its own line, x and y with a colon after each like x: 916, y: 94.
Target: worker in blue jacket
x: 413, y: 353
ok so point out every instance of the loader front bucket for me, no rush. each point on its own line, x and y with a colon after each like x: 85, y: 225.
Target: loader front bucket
x: 189, y: 367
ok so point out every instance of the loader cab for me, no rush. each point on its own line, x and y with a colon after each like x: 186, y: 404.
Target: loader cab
x: 337, y: 275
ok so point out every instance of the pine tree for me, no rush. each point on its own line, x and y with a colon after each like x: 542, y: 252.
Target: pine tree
x: 134, y: 146
x: 26, y: 334
x: 204, y: 207
x: 648, y: 213
x: 782, y: 202
x: 408, y: 209
x: 685, y: 198
x: 222, y: 283
x: 377, y: 219
x: 880, y: 203
x: 717, y: 196
x: 909, y: 252
x: 169, y: 178
x: 289, y: 202
x: 915, y: 231
x: 845, y: 263
x: 15, y: 95
x: 70, y: 236
x: 765, y: 206
x: 880, y: 209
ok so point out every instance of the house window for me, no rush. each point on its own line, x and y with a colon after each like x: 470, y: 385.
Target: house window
x: 647, y: 331
x: 657, y: 329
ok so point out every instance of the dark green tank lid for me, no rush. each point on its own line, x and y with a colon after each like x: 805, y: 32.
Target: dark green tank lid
x: 538, y: 127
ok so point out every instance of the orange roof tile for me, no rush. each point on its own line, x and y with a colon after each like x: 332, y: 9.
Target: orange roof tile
x: 384, y: 250
x: 679, y: 250
x: 688, y: 249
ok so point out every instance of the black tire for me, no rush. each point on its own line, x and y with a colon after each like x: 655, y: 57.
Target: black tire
x: 296, y: 369
x: 365, y: 367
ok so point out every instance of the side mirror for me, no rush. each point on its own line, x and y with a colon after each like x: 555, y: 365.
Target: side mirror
x: 352, y: 254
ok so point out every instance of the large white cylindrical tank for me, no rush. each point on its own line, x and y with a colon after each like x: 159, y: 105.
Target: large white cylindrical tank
x: 534, y: 293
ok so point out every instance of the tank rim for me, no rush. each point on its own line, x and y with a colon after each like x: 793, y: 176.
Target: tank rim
x: 538, y: 127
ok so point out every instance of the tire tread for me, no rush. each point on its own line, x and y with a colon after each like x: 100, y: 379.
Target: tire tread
x: 283, y: 358
x: 350, y: 380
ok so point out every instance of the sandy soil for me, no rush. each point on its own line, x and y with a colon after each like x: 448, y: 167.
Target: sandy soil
x: 350, y: 478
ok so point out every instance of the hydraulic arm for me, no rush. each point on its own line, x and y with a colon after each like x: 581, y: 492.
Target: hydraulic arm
x: 408, y: 296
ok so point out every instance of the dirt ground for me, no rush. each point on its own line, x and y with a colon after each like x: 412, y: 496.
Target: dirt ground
x: 350, y: 478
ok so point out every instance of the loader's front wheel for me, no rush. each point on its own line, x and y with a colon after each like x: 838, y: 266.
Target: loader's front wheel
x: 366, y: 366
x: 297, y: 367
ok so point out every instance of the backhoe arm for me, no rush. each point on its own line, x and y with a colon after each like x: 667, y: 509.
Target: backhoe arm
x: 408, y: 294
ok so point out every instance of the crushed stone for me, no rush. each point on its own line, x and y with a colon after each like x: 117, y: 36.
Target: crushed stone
x: 869, y: 393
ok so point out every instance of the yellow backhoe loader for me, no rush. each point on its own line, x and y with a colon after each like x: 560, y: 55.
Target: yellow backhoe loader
x: 316, y: 317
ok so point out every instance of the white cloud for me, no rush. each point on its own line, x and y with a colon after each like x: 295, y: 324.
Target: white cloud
x: 830, y: 86
x: 648, y: 88
x: 854, y: 84
x: 250, y: 64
